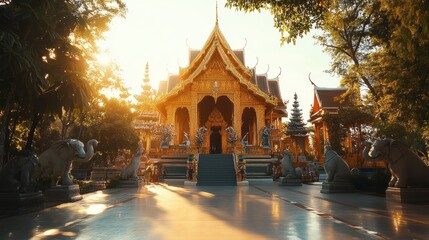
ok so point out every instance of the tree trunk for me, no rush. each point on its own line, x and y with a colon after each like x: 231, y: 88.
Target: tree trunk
x: 4, y: 131
x: 36, y: 118
x: 13, y: 129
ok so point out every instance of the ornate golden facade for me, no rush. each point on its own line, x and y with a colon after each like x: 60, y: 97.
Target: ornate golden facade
x: 216, y: 90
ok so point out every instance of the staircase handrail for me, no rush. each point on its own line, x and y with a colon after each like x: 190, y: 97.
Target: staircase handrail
x: 235, y: 163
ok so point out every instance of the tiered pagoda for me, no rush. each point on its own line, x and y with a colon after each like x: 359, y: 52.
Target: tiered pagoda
x: 147, y: 121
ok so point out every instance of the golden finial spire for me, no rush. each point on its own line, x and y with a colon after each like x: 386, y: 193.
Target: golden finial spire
x: 216, y: 14
x: 146, y: 87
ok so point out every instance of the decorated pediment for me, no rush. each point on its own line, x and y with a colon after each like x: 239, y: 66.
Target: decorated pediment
x: 215, y: 119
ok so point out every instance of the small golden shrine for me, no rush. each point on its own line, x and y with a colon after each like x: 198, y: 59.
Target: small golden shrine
x: 216, y: 91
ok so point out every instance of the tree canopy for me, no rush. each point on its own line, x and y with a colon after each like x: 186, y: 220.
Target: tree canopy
x: 380, y: 48
x: 45, y: 52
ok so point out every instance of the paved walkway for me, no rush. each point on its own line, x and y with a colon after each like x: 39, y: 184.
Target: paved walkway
x: 262, y: 210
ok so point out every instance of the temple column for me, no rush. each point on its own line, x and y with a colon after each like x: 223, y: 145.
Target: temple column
x: 260, y: 121
x: 237, y: 114
x: 193, y: 116
x: 317, y: 143
x: 148, y: 144
x: 325, y: 133
x: 171, y: 113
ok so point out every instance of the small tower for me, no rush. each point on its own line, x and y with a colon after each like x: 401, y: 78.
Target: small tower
x: 146, y: 86
x: 147, y: 120
x: 296, y: 127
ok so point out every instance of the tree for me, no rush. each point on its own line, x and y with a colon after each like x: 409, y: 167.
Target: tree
x: 296, y: 127
x: 110, y: 122
x: 382, y: 45
x: 44, y: 46
x: 402, y: 71
x: 292, y: 18
x: 349, y: 30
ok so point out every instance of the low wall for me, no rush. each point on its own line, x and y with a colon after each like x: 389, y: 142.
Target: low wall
x: 104, y: 174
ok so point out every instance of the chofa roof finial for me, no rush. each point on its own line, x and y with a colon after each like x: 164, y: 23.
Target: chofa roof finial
x: 217, y: 22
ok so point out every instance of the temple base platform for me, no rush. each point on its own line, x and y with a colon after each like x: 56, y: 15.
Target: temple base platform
x: 408, y: 195
x: 131, y: 183
x: 63, y: 194
x: 290, y: 181
x: 337, y: 187
x: 20, y: 203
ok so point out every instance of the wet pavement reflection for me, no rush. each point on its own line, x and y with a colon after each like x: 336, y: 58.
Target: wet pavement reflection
x: 262, y: 210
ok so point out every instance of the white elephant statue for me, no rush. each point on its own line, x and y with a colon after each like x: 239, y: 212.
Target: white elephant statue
x: 406, y: 168
x: 336, y: 168
x: 57, y: 160
x: 130, y: 171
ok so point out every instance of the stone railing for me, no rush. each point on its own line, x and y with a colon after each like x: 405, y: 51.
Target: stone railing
x: 175, y: 150
x: 256, y: 150
x: 104, y: 174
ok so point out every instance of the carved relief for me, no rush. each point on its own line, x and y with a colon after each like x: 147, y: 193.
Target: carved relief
x: 182, y: 98
x: 215, y: 119
x: 246, y: 97
x: 216, y: 66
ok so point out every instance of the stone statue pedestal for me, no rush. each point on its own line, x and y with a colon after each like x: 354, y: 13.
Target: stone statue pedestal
x: 408, y: 195
x: 63, y: 194
x: 130, y: 183
x: 20, y: 203
x: 337, y: 187
x: 283, y: 181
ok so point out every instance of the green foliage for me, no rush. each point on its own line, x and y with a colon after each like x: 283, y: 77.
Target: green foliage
x: 361, y: 182
x: 348, y: 33
x: 43, y: 183
x: 111, y: 124
x: 44, y: 48
x: 349, y: 119
x: 85, y: 186
x: 380, y: 180
x: 337, y: 133
x: 292, y: 18
x: 113, y: 182
x: 377, y: 182
x: 379, y: 47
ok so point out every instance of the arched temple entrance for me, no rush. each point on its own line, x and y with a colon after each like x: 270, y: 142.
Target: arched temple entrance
x: 248, y: 125
x: 181, y: 123
x: 216, y: 117
x: 215, y: 140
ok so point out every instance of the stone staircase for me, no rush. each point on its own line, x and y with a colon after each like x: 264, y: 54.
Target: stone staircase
x: 216, y: 170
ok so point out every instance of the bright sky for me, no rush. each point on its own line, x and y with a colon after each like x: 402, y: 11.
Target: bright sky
x: 158, y: 32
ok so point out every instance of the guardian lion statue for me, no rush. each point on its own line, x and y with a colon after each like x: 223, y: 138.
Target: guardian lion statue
x: 288, y: 170
x: 16, y: 175
x: 335, y: 167
x: 130, y: 171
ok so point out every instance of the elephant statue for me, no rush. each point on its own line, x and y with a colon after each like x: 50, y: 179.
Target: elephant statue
x: 57, y: 160
x: 406, y: 168
x: 130, y: 171
x: 288, y: 170
x: 16, y: 175
x: 336, y: 168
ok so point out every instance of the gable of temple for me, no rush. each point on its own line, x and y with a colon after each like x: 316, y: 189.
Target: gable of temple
x: 216, y: 62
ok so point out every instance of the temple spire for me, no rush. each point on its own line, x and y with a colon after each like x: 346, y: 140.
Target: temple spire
x: 217, y: 22
x: 146, y: 86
